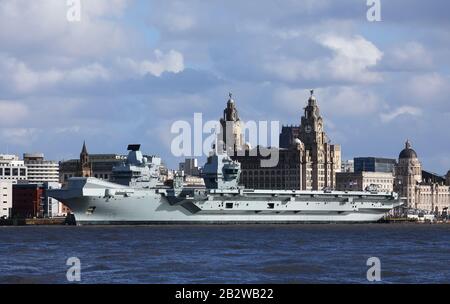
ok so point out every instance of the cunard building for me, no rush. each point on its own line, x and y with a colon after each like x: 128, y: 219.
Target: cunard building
x: 306, y: 158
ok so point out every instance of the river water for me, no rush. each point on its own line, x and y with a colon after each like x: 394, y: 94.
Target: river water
x: 408, y: 253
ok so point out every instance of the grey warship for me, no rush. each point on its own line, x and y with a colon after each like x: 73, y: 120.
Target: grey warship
x: 134, y: 196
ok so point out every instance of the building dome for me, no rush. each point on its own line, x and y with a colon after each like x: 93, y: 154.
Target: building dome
x: 408, y: 152
x: 230, y: 100
x: 312, y: 98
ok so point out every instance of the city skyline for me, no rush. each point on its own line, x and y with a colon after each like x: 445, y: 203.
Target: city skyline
x: 377, y: 83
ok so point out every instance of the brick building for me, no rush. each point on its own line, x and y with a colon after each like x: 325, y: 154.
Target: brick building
x: 28, y: 200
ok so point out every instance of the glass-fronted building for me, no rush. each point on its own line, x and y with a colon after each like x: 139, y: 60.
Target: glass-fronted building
x: 374, y: 164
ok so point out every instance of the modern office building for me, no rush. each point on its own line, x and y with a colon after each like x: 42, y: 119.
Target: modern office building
x: 41, y: 170
x: 52, y: 207
x: 12, y: 169
x: 5, y: 199
x: 190, y: 167
x: 374, y: 164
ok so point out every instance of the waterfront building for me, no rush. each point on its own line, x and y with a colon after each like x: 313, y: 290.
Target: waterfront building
x: 288, y: 135
x: 374, y: 164
x: 93, y: 165
x: 422, y: 190
x: 12, y: 169
x: 190, y: 167
x: 315, y: 160
x: 99, y: 165
x: 325, y: 157
x: 230, y: 135
x: 362, y: 180
x: 28, y: 201
x: 84, y: 166
x: 41, y: 170
x: 5, y: 199
x: 51, y: 206
x: 193, y: 181
x: 348, y: 166
x: 288, y: 174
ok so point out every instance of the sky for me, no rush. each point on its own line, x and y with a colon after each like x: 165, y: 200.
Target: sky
x: 130, y: 68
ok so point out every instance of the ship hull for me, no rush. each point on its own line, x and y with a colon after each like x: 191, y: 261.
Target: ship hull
x: 92, y: 204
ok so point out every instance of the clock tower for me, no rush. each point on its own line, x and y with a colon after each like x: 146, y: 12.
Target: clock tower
x: 311, y: 128
x: 322, y: 158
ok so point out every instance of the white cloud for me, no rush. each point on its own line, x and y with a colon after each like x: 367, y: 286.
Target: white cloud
x: 335, y: 101
x: 179, y: 22
x: 41, y: 26
x: 87, y: 74
x: 408, y: 56
x: 351, y: 61
x: 292, y: 69
x: 104, y: 7
x: 428, y: 88
x: 350, y: 101
x: 353, y: 57
x: 172, y: 61
x: 23, y: 79
x: 405, y: 110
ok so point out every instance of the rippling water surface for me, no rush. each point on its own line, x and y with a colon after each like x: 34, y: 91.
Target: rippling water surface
x: 226, y: 254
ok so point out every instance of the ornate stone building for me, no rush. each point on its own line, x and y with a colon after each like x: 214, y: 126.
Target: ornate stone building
x: 307, y: 159
x: 325, y: 158
x: 421, y: 189
x: 93, y: 165
x: 362, y: 180
x: 286, y: 175
x: 231, y: 129
x: 322, y: 160
x: 84, y: 166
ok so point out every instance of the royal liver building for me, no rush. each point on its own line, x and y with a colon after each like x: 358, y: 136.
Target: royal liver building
x: 307, y: 159
x: 322, y: 159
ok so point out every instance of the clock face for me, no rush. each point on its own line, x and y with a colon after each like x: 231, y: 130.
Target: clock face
x: 308, y: 129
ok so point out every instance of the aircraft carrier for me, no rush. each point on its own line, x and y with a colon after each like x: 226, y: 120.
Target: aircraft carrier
x: 135, y: 196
